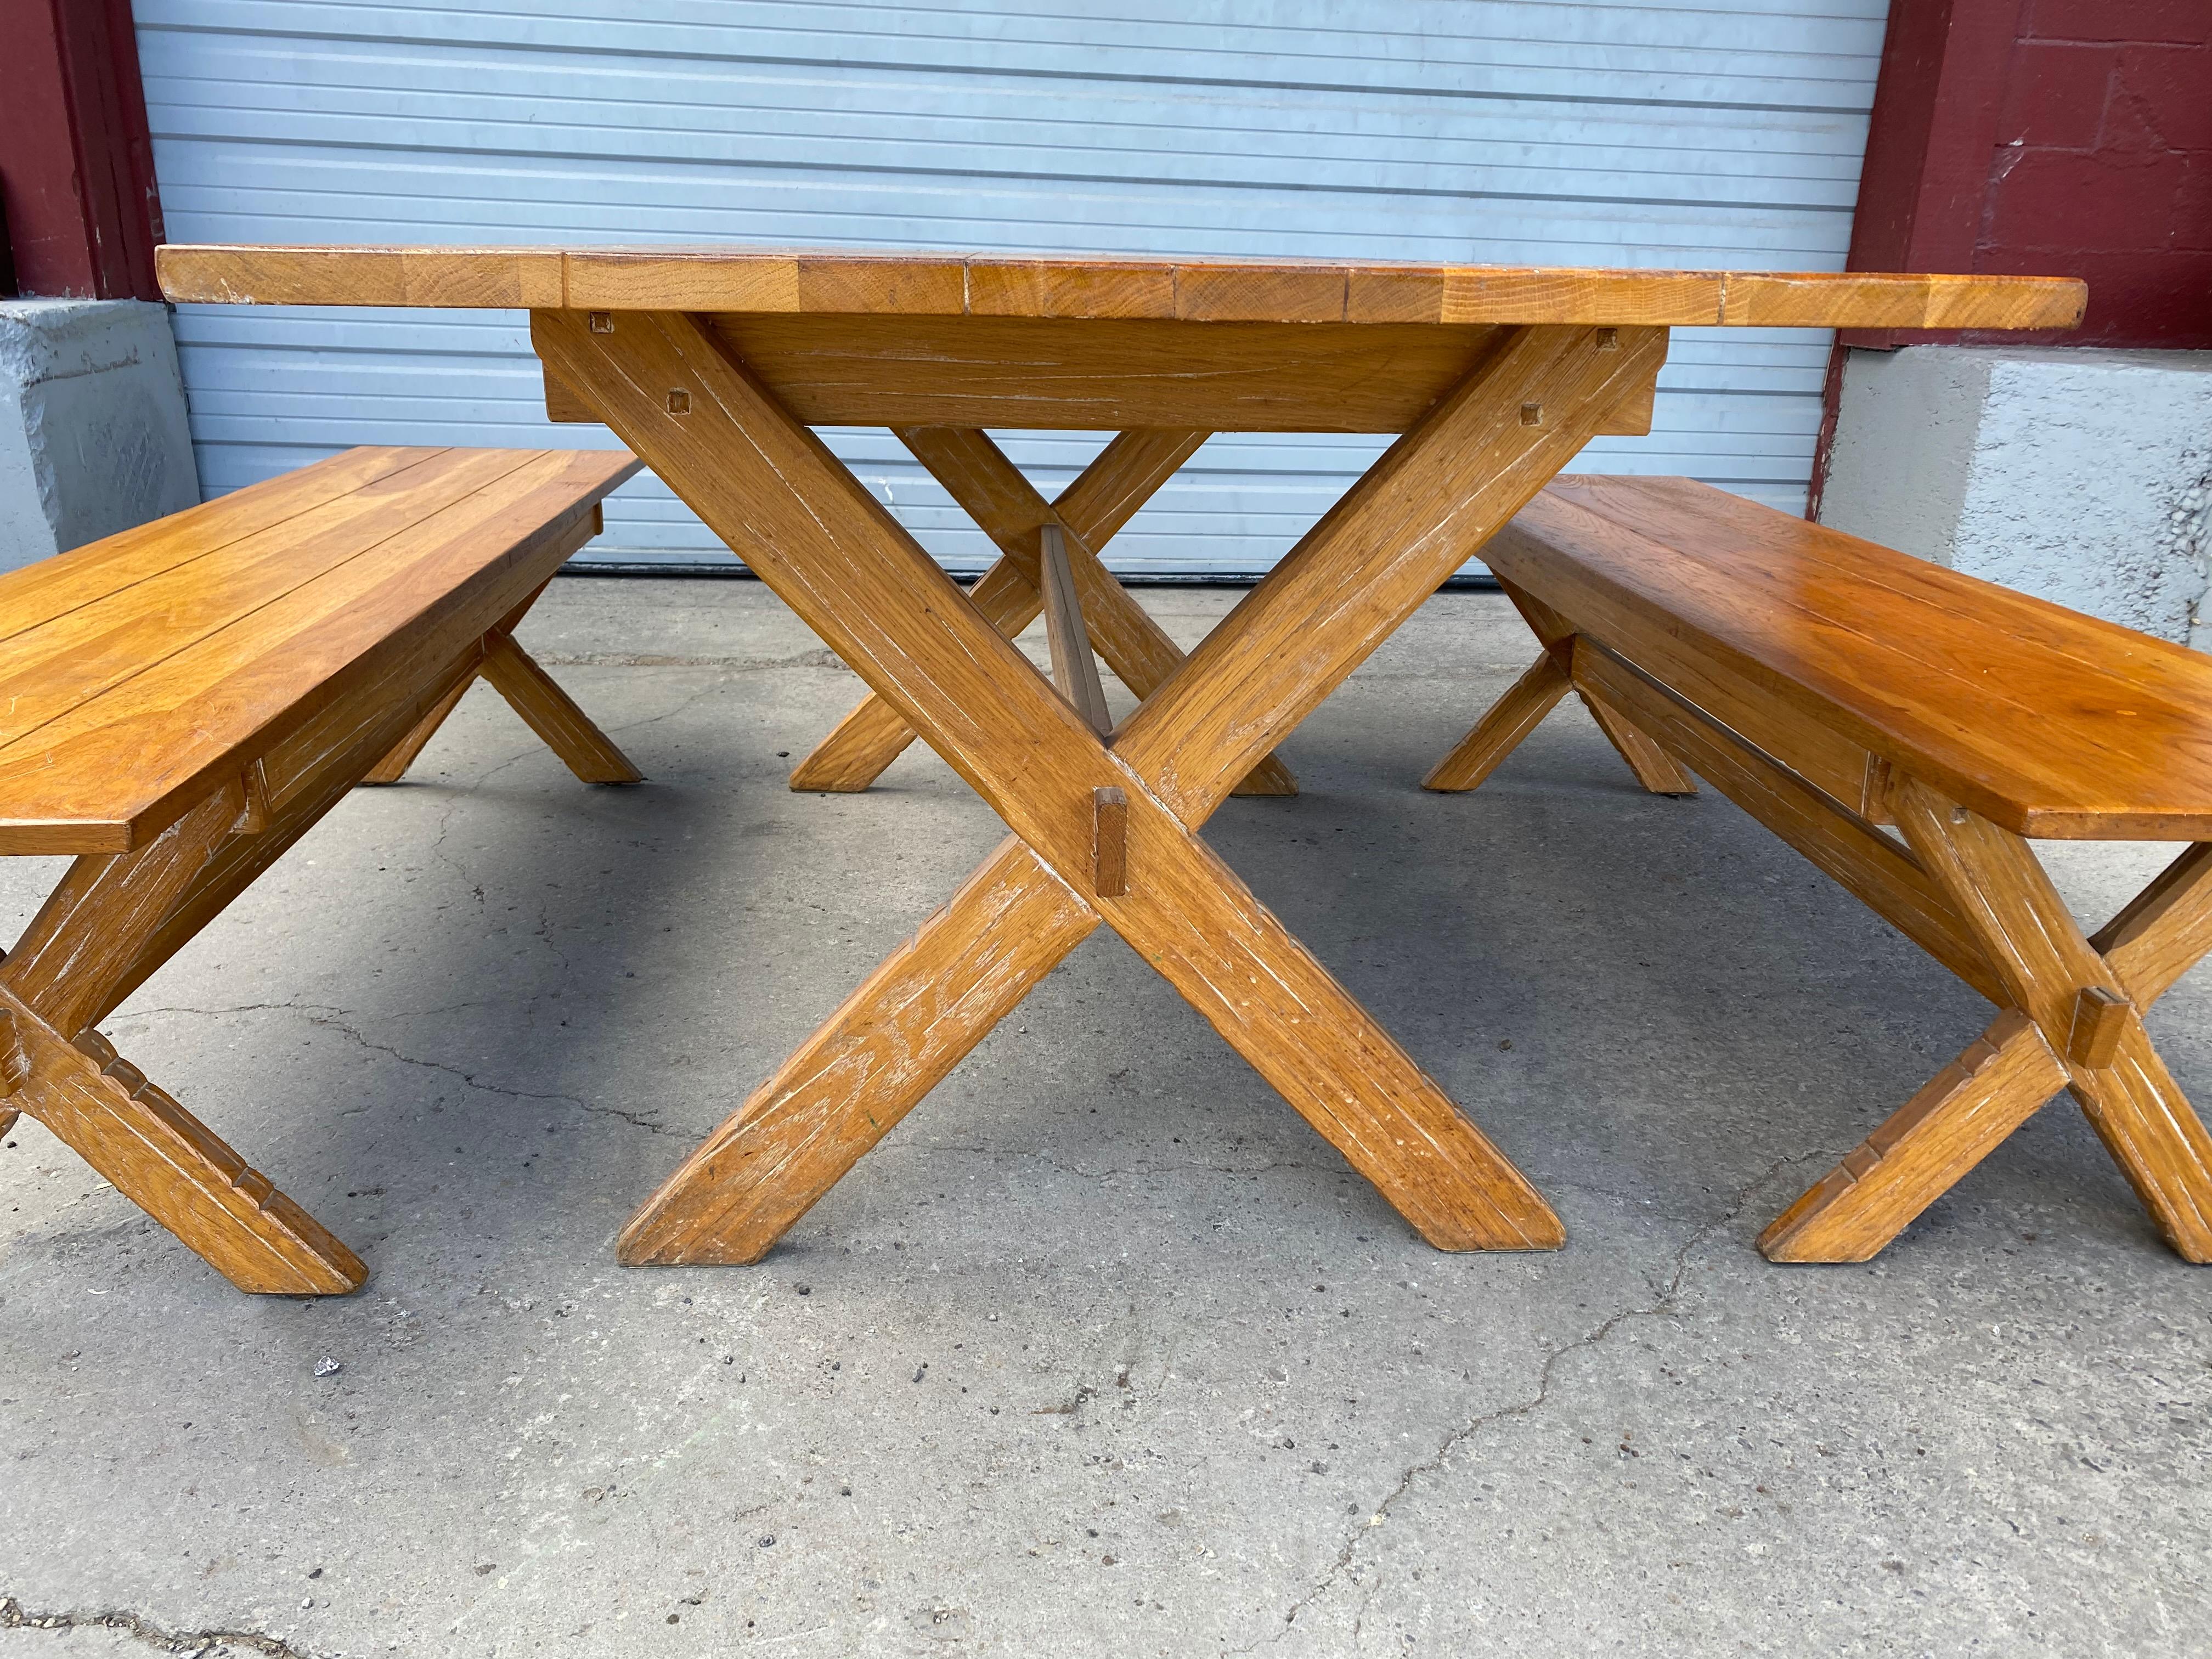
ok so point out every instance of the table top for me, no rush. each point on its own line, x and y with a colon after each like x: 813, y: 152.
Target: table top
x: 746, y: 279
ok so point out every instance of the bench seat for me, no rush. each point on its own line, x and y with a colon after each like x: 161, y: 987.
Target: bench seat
x: 181, y: 702
x: 1908, y: 728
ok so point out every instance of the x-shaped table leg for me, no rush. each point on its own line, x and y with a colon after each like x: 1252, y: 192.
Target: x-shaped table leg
x: 977, y: 475
x: 771, y: 489
x: 2075, y: 1023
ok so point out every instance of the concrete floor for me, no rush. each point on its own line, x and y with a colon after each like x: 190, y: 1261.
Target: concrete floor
x: 1102, y: 1350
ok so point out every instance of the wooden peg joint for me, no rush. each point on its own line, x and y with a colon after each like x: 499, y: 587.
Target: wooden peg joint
x: 2101, y: 1017
x: 1532, y: 414
x: 679, y: 401
x: 1109, y: 841
x: 603, y: 322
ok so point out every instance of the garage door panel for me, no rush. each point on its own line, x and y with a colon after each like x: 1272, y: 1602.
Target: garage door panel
x: 1666, y: 133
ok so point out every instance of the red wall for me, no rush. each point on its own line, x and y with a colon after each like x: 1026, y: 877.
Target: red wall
x: 77, y: 166
x: 2048, y: 138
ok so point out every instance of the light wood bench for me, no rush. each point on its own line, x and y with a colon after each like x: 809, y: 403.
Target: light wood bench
x: 181, y: 702
x: 1908, y: 729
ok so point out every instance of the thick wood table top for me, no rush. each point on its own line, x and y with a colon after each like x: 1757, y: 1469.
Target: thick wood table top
x: 737, y: 278
x: 858, y: 338
x: 2048, y: 722
x: 137, y: 670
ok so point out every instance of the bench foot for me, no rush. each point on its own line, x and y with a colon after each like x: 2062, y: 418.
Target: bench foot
x: 2076, y: 1024
x: 1922, y: 1149
x: 393, y: 767
x: 170, y: 1164
x: 532, y: 693
x: 110, y: 922
x: 1521, y: 709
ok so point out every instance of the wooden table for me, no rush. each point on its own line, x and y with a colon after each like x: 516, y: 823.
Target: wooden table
x: 713, y: 365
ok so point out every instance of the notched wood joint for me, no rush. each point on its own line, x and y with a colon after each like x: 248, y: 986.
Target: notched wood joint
x: 2100, y: 1019
x: 1109, y: 841
x: 253, y: 816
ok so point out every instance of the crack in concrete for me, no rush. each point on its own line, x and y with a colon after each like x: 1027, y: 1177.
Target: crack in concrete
x: 1083, y: 1174
x: 13, y: 1616
x: 1661, y: 1307
x: 332, y: 1019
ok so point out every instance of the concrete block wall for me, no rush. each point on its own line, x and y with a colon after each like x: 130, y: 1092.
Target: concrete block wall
x: 2080, y: 476
x: 93, y: 434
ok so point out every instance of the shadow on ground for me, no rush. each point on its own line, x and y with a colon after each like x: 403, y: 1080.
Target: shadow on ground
x: 1102, y: 1350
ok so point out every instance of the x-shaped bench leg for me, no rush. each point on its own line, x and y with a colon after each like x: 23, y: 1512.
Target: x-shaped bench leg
x: 2075, y: 1023
x: 116, y: 918
x: 59, y: 1069
x: 770, y: 488
x: 1524, y: 705
x: 977, y: 475
x: 532, y: 693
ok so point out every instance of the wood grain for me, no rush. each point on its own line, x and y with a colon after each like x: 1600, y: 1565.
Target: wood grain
x: 1074, y: 669
x: 401, y: 755
x: 741, y: 278
x: 764, y: 482
x: 1109, y: 841
x: 1653, y: 767
x: 1439, y: 493
x: 1923, y: 1149
x: 130, y: 706
x: 1007, y: 507
x: 164, y: 1160
x: 309, y: 626
x: 2165, y: 931
x: 2048, y: 722
x: 552, y: 714
x: 1502, y: 727
x: 2031, y: 938
x: 1883, y: 875
x: 894, y: 1039
x: 1108, y: 375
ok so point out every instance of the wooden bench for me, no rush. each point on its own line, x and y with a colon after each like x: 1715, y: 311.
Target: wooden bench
x: 1907, y: 728
x: 182, y: 701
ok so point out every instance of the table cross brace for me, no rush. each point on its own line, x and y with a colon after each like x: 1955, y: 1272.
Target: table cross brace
x: 764, y: 482
x: 1007, y: 507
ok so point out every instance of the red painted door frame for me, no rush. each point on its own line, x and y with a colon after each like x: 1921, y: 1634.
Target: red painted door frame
x: 77, y: 165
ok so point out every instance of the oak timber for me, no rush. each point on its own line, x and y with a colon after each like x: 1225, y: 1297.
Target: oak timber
x: 1827, y: 685
x: 139, y: 671
x: 186, y: 700
x: 754, y: 473
x: 848, y: 281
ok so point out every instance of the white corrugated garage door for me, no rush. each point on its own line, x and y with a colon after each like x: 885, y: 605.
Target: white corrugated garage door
x: 1719, y: 133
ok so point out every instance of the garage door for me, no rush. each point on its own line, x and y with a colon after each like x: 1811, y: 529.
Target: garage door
x: 1719, y: 133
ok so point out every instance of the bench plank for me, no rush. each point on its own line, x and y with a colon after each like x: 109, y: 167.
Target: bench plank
x: 435, y: 553
x: 2047, y: 722
x: 52, y: 587
x: 1828, y: 685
